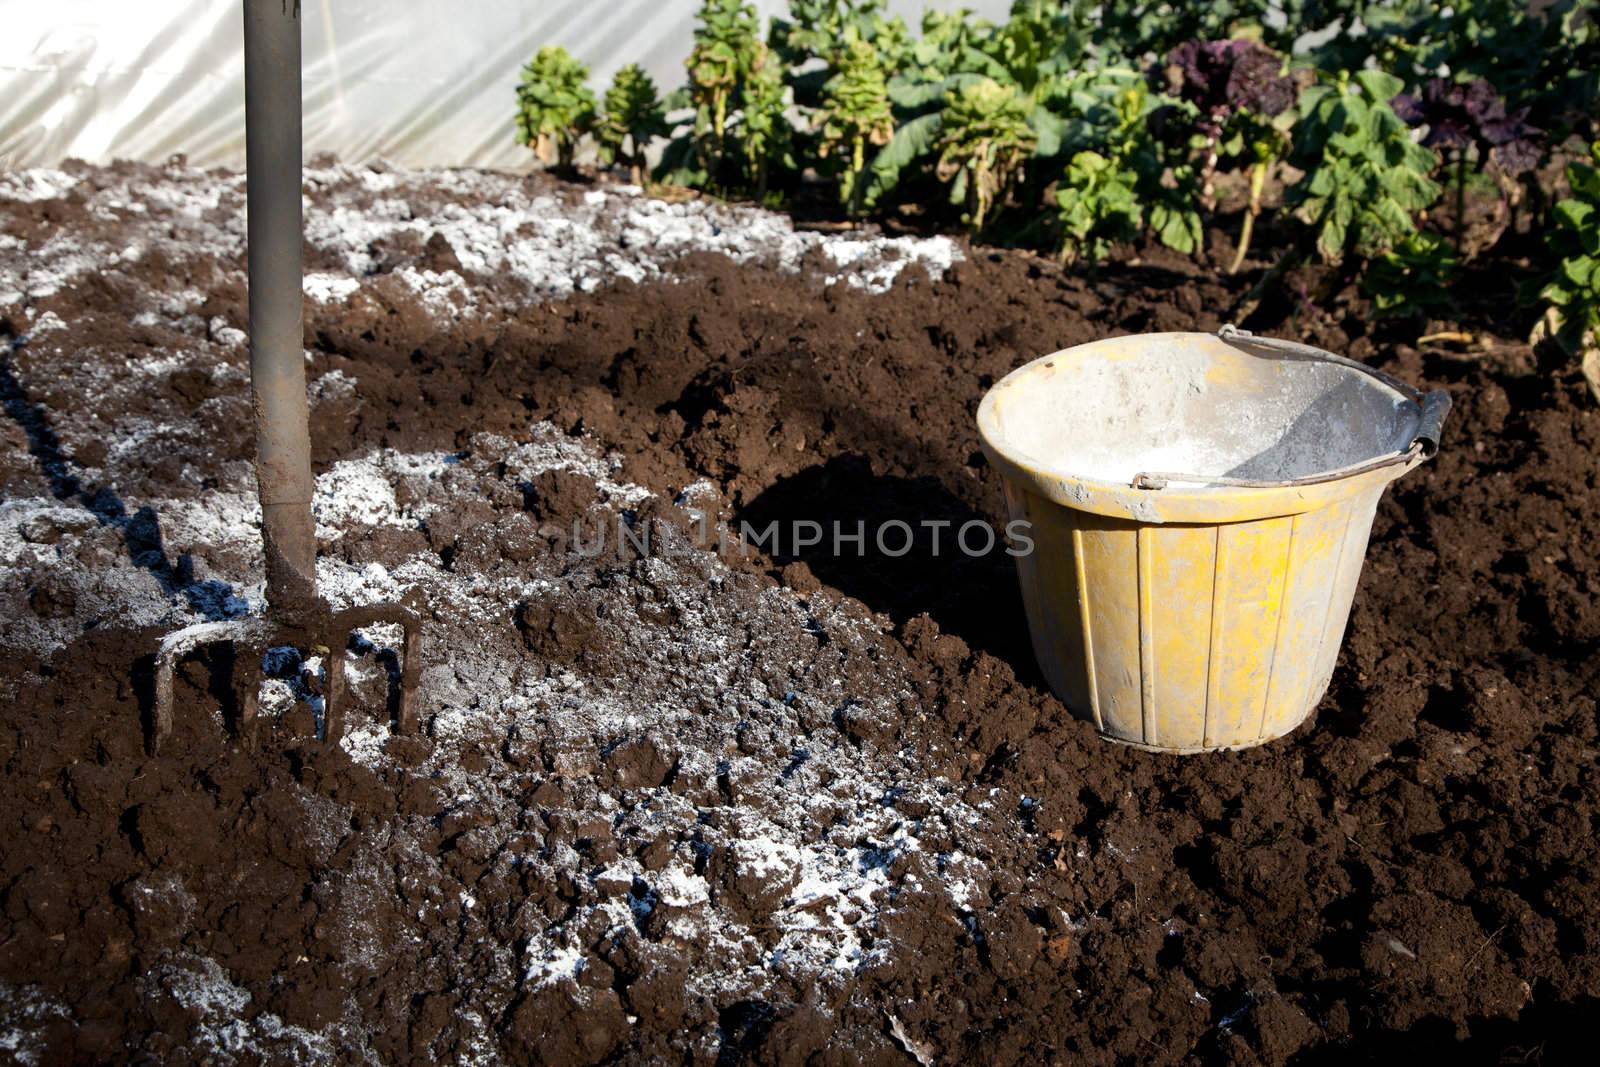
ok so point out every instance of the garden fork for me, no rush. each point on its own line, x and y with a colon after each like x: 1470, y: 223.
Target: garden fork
x: 296, y: 615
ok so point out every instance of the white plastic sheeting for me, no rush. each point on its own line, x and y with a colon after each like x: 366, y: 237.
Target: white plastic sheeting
x: 418, y: 82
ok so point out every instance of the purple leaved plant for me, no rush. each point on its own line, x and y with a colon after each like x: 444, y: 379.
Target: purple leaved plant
x: 1461, y: 114
x: 1235, y: 86
x: 1222, y: 78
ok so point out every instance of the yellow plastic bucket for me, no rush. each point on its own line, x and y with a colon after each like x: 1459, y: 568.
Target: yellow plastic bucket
x: 1199, y: 507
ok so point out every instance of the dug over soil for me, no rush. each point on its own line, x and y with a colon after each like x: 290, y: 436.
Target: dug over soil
x: 753, y: 807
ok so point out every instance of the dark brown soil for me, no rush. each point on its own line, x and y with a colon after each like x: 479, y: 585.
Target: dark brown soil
x: 1415, y: 871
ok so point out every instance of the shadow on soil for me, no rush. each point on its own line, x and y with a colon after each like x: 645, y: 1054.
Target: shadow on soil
x: 140, y: 531
x: 1544, y: 1034
x: 910, y: 558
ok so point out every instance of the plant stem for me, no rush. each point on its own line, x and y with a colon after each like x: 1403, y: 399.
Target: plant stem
x: 1450, y: 336
x: 1461, y: 199
x: 719, y: 118
x: 1208, y: 172
x: 979, y: 206
x: 858, y: 159
x: 1244, y: 242
x: 1258, y: 180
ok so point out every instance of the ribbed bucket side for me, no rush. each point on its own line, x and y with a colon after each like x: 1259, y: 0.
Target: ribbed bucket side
x: 1185, y: 637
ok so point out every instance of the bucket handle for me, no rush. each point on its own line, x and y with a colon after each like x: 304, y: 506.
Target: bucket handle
x: 1434, y: 406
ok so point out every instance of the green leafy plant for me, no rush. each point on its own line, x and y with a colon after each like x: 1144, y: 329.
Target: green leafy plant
x: 1099, y: 204
x: 1365, y: 179
x: 1414, y: 277
x: 1172, y: 212
x: 815, y: 28
x: 766, y: 136
x: 1139, y: 28
x: 1029, y: 59
x: 936, y: 55
x: 1113, y: 114
x: 1039, y: 45
x: 855, y: 116
x: 1116, y: 160
x: 723, y: 40
x: 917, y: 94
x: 826, y: 29
x: 983, y: 141
x: 554, y: 106
x: 1573, y: 294
x: 631, y: 118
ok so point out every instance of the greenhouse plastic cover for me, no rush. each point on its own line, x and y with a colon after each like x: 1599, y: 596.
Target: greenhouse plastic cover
x: 417, y: 82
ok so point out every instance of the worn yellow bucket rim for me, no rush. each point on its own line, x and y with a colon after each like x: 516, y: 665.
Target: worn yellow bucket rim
x: 1096, y: 427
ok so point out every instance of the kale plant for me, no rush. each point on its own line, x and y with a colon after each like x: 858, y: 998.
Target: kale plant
x: 1099, y: 204
x: 1365, y: 179
x: 983, y: 142
x: 1118, y: 178
x: 1225, y: 78
x: 554, y: 107
x: 816, y: 29
x: 740, y: 131
x: 723, y: 40
x: 1042, y: 43
x: 1098, y: 196
x: 1470, y: 115
x: 825, y: 30
x: 855, y: 115
x: 631, y: 118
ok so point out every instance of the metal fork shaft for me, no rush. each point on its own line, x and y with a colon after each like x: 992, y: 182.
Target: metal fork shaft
x: 297, y: 616
x: 277, y: 361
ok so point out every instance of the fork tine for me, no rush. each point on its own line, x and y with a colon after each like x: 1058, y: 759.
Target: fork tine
x: 410, y: 623
x: 247, y: 676
x: 410, y: 673
x: 251, y: 637
x: 333, y: 695
x: 173, y: 648
x: 161, y: 713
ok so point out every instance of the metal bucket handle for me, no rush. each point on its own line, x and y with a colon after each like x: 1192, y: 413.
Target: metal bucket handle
x: 1434, y: 406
